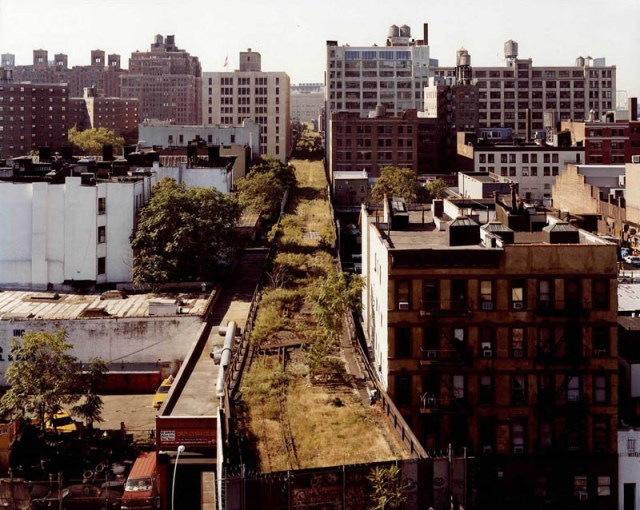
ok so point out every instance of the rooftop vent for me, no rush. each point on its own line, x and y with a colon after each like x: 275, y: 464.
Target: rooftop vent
x: 497, y: 228
x: 463, y: 231
x: 561, y: 233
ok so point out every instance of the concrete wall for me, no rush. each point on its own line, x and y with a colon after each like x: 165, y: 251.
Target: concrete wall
x: 217, y: 178
x: 126, y: 340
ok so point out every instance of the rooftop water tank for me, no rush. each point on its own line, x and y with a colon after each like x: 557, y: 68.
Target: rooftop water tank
x: 405, y: 31
x: 394, y: 31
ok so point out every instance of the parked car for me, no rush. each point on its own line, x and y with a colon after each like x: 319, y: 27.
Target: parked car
x: 60, y: 423
x: 161, y: 393
x: 634, y: 260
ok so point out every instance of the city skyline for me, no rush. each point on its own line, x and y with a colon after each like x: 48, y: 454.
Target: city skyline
x: 292, y: 37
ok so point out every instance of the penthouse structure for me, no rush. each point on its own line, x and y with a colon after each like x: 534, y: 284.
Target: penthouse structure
x: 229, y: 98
x: 499, y: 337
x: 167, y: 82
x: 103, y: 72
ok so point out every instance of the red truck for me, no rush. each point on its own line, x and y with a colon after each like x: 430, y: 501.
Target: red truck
x: 142, y: 490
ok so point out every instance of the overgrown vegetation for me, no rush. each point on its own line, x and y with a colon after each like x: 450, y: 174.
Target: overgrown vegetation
x: 305, y: 412
x: 308, y: 143
x: 388, y: 488
x: 183, y: 234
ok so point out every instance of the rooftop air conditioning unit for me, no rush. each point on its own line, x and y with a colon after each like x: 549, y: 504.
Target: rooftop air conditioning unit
x: 403, y: 305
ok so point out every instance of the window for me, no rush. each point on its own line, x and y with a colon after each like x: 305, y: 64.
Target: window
x: 600, y: 389
x: 403, y: 390
x: 517, y: 342
x: 601, y: 434
x: 102, y: 265
x: 517, y: 436
x: 458, y: 387
x: 545, y: 294
x: 572, y: 294
x: 102, y: 206
x: 580, y: 486
x: 403, y: 292
x: 545, y: 435
x: 600, y: 294
x: 604, y: 486
x: 600, y: 340
x: 486, y: 342
x: 518, y: 389
x: 517, y: 294
x: 403, y: 342
x: 485, y: 390
x: 458, y: 294
x: 102, y: 235
x: 486, y: 294
x: 574, y: 389
x: 430, y: 295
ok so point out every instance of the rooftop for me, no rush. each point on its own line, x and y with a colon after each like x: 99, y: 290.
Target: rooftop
x: 49, y: 306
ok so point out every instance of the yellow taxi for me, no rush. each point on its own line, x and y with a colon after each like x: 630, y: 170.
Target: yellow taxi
x: 60, y: 422
x: 161, y: 393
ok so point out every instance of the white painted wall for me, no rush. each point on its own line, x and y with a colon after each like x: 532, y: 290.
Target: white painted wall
x: 628, y: 464
x: 50, y: 231
x: 218, y: 178
x: 375, y: 269
x: 126, y: 340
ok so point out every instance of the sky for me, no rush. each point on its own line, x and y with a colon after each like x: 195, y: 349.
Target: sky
x: 291, y: 35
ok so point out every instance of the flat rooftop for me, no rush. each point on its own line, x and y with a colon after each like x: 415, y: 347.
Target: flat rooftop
x: 46, y: 306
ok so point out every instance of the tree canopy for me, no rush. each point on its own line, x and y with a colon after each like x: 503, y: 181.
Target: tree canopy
x: 43, y: 375
x: 395, y: 182
x: 90, y: 141
x: 262, y: 189
x: 437, y: 189
x: 183, y: 234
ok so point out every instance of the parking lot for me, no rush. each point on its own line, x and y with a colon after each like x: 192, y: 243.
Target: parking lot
x: 135, y: 411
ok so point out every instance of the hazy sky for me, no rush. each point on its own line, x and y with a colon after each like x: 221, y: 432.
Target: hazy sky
x: 291, y: 35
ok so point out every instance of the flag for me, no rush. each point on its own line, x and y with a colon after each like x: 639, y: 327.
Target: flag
x: 226, y: 60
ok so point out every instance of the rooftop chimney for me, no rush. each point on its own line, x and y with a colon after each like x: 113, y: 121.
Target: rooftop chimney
x: 426, y: 34
x: 514, y: 202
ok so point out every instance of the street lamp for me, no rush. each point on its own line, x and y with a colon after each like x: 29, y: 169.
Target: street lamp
x: 175, y: 468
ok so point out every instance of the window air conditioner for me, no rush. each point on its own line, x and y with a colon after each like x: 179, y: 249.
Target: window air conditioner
x: 635, y: 158
x: 583, y: 495
x: 403, y: 305
x: 431, y: 401
x: 432, y: 354
x: 487, y: 449
x: 600, y: 352
x: 518, y: 305
x: 518, y: 449
x: 487, y: 305
x: 487, y: 353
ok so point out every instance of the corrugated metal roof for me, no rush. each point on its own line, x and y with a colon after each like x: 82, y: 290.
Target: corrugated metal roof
x: 33, y: 305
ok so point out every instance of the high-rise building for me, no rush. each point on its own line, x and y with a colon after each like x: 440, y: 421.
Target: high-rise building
x: 32, y: 115
x: 117, y: 114
x: 358, y: 78
x: 518, y: 94
x: 228, y: 98
x: 167, y: 82
x: 307, y: 102
x: 501, y: 339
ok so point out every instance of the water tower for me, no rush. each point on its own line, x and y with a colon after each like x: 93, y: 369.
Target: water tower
x: 510, y: 52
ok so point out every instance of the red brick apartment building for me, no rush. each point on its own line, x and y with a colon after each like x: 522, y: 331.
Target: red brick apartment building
x: 500, y: 339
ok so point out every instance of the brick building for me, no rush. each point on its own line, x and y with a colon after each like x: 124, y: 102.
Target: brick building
x: 166, y: 80
x: 116, y: 114
x: 501, y: 339
x: 32, y: 115
x: 408, y: 141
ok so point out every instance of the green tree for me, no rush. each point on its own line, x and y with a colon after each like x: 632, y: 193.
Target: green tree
x: 41, y: 376
x: 395, y: 182
x: 90, y: 141
x: 437, y: 188
x: 183, y: 234
x: 388, y: 488
x: 90, y: 410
